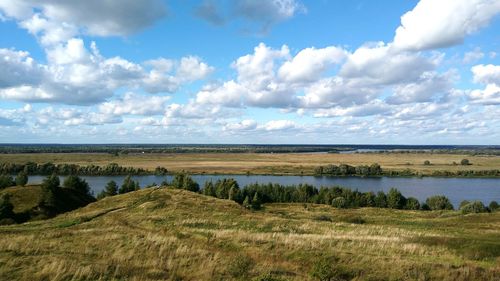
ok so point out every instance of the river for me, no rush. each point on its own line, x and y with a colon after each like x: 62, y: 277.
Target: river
x: 456, y: 189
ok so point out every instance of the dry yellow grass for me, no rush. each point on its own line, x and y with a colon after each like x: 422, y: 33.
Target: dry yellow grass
x: 240, y: 163
x: 165, y: 234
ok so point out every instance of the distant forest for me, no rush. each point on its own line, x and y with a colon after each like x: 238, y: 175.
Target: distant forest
x: 243, y: 148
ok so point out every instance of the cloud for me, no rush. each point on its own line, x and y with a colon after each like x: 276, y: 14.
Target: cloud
x: 486, y: 74
x: 429, y: 86
x: 92, y: 17
x: 135, y: 104
x: 310, y: 63
x: 262, y: 12
x: 437, y: 24
x: 210, y: 12
x: 382, y: 64
x: 17, y: 68
x: 473, y: 56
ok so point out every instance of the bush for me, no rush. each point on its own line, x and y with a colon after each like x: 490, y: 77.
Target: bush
x: 494, y: 206
x: 395, y: 200
x: 6, y: 207
x: 439, y: 202
x: 427, y: 162
x: 6, y: 181
x: 339, y: 203
x: 22, y: 178
x: 474, y: 207
x: 325, y: 269
x: 381, y: 200
x: 240, y: 266
x: 465, y: 162
x: 129, y: 185
x: 412, y: 204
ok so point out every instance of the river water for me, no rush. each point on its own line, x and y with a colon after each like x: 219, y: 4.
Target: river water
x: 456, y: 189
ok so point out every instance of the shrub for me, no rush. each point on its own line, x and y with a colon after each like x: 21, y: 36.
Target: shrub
x: 326, y: 269
x: 6, y: 181
x: 439, y: 202
x: 395, y: 200
x: 256, y: 203
x: 6, y: 207
x: 22, y: 178
x: 381, y: 200
x: 339, y: 202
x: 493, y: 206
x: 474, y: 207
x: 463, y: 203
x: 465, y: 162
x: 240, y: 266
x: 412, y: 204
x: 427, y: 162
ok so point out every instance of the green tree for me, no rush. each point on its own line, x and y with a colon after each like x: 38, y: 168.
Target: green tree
x: 395, y: 200
x: 209, y: 189
x: 234, y: 193
x: 474, y: 207
x: 22, y: 178
x: 111, y: 189
x: 256, y: 203
x: 50, y: 191
x: 184, y: 181
x: 381, y: 200
x: 76, y: 183
x: 439, y: 202
x: 339, y: 202
x: 128, y: 185
x: 6, y: 207
x: 493, y: 206
x: 247, y: 203
x: 412, y: 204
x: 6, y: 181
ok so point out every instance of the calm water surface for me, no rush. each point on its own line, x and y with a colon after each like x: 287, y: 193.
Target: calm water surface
x: 456, y: 189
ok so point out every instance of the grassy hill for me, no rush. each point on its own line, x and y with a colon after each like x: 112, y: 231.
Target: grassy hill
x: 167, y: 234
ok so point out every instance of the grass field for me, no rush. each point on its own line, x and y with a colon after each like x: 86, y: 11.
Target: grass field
x: 166, y: 234
x: 241, y: 163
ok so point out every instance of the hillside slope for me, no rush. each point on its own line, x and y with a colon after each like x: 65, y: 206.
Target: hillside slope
x: 166, y: 234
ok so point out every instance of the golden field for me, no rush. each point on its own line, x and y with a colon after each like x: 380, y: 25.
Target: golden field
x: 260, y: 163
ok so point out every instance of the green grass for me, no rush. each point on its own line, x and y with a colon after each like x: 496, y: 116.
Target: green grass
x: 166, y: 234
x: 24, y: 198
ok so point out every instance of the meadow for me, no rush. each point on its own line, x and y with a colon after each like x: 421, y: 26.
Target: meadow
x: 263, y: 163
x: 168, y: 234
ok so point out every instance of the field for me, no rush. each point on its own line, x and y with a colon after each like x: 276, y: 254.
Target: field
x: 260, y: 163
x: 166, y: 234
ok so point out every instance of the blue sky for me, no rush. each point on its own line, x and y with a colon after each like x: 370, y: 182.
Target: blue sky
x: 250, y: 71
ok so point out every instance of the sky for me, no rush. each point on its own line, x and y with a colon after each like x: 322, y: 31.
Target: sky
x: 250, y: 71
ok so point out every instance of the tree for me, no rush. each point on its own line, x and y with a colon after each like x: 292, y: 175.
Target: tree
x: 128, y: 185
x: 412, y: 204
x: 465, y: 162
x: 22, y: 178
x: 50, y: 192
x: 395, y: 200
x: 6, y: 207
x: 256, y: 203
x: 209, y: 189
x: 111, y: 189
x: 439, y: 202
x: 474, y: 207
x: 246, y: 203
x: 184, y: 181
x: 77, y: 183
x: 234, y: 193
x: 493, y: 206
x: 381, y: 200
x: 339, y: 203
x: 6, y: 181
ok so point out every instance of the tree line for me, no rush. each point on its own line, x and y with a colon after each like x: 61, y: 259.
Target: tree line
x: 111, y: 169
